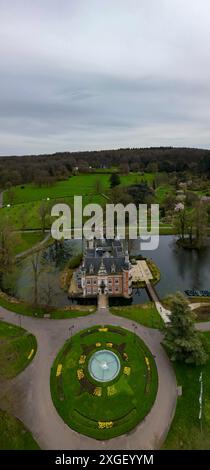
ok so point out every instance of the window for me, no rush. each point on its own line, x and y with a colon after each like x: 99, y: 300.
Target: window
x: 91, y: 269
x: 88, y: 282
x: 116, y: 281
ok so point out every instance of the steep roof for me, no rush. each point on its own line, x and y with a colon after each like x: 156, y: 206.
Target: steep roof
x: 107, y: 257
x: 96, y: 265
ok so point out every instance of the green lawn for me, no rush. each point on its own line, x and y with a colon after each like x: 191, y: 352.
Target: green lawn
x: 17, y: 349
x: 145, y: 314
x: 162, y: 191
x: 84, y: 184
x: 185, y: 432
x: 83, y: 403
x: 167, y: 229
x: 31, y: 211
x: 14, y: 435
x: 27, y: 309
x: 27, y: 241
x: 203, y: 313
x: 27, y: 198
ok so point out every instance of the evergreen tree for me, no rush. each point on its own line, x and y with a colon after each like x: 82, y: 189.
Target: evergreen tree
x: 114, y: 180
x: 181, y: 340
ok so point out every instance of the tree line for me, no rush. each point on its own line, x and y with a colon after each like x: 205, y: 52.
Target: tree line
x: 48, y: 168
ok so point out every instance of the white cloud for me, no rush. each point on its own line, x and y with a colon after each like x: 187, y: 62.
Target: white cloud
x: 90, y: 74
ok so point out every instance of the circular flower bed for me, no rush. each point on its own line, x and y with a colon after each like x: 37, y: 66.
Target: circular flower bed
x: 102, y: 408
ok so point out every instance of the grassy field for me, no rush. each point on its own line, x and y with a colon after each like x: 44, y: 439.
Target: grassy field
x: 120, y: 404
x: 27, y: 241
x: 145, y: 314
x: 162, y: 191
x: 34, y: 311
x: 186, y: 432
x: 167, y: 229
x: 14, y: 435
x: 203, y: 313
x: 31, y: 211
x: 84, y: 184
x: 27, y: 198
x: 17, y: 349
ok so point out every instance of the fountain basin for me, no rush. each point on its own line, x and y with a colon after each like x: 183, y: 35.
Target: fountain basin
x: 104, y: 365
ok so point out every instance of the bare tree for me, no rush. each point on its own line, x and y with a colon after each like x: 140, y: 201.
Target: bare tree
x: 98, y: 186
x: 49, y: 291
x: 9, y: 239
x: 37, y: 268
x: 23, y: 218
x: 44, y: 214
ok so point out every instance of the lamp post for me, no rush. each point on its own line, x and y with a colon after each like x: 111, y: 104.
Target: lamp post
x: 20, y: 320
x: 70, y: 331
x: 201, y: 400
x: 134, y: 331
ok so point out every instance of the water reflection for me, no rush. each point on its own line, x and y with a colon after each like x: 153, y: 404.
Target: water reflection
x: 180, y: 270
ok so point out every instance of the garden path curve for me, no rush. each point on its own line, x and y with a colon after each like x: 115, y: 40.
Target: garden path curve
x: 29, y: 398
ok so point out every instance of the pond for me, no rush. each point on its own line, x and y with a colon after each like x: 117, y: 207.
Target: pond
x: 180, y: 270
x: 52, y: 260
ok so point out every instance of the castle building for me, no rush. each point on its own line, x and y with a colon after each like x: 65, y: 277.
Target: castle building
x: 105, y: 270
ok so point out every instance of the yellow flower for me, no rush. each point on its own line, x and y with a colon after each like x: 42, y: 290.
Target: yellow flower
x: 125, y: 356
x: 97, y: 392
x: 101, y: 424
x: 59, y: 370
x: 127, y: 370
x: 109, y: 424
x: 146, y: 360
x: 147, y: 363
x: 98, y: 345
x: 82, y: 359
x: 103, y: 329
x: 80, y: 374
x: 31, y: 354
x: 105, y: 424
x: 109, y: 345
x: 111, y: 390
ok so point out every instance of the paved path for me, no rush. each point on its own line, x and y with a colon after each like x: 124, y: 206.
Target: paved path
x: 203, y: 326
x: 163, y: 312
x: 34, y: 248
x: 28, y: 395
x: 193, y: 306
x: 141, y: 272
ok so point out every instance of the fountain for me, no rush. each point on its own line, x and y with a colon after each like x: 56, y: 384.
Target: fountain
x: 104, y: 365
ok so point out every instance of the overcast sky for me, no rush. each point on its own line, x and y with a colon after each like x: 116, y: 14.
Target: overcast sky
x: 92, y: 74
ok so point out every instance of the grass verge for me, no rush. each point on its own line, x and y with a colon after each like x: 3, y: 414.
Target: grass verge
x: 27, y: 241
x: 186, y: 431
x: 17, y: 349
x: 14, y: 435
x: 145, y: 314
x: 23, y: 308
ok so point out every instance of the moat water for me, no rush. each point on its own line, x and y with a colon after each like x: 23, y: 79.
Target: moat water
x: 180, y: 270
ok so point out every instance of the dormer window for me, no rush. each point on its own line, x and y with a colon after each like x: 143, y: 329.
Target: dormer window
x: 91, y: 269
x: 113, y: 268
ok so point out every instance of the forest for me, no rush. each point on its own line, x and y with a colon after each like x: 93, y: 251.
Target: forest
x: 48, y: 168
